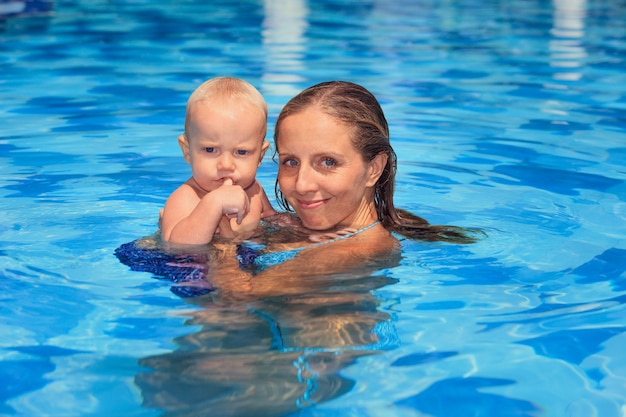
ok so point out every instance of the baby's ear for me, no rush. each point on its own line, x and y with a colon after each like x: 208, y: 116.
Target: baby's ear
x: 264, y: 149
x: 184, y: 146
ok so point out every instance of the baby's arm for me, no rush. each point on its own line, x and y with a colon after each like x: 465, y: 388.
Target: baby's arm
x: 191, y: 219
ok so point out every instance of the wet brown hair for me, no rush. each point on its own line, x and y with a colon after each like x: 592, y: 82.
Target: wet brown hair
x: 355, y: 106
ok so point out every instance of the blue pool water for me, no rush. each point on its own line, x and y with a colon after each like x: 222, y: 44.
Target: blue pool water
x: 509, y: 116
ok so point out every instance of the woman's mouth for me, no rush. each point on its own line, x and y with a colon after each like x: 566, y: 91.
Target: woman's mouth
x: 312, y: 204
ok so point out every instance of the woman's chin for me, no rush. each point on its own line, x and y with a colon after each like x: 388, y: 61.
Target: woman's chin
x: 317, y: 225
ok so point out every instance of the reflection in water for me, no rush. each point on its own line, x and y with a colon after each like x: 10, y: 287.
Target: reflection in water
x: 270, y: 356
x: 566, y: 49
x: 284, y: 45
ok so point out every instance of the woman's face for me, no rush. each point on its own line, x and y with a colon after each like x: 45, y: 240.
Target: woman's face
x: 322, y: 175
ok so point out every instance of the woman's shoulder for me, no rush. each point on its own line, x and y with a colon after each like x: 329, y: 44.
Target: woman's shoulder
x: 366, y: 251
x: 339, y: 248
x: 376, y: 242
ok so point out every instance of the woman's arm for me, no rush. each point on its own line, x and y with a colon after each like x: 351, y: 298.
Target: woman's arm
x: 310, y: 268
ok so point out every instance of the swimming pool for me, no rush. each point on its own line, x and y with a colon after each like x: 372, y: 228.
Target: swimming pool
x: 509, y: 116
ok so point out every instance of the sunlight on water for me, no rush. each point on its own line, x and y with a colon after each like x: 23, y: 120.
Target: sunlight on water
x: 506, y: 116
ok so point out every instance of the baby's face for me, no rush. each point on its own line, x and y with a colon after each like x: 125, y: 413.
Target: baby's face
x: 226, y: 140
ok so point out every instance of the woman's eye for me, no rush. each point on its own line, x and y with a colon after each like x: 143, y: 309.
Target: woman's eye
x: 209, y: 150
x: 328, y: 163
x: 290, y: 163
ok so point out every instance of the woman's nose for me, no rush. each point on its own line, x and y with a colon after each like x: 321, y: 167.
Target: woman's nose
x: 305, y: 180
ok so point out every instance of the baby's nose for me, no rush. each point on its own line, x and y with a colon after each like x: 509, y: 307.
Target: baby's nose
x: 226, y: 162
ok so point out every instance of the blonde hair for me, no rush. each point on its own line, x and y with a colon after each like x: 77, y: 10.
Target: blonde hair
x: 229, y: 88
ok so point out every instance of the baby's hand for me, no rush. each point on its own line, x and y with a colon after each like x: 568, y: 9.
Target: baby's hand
x: 235, y: 201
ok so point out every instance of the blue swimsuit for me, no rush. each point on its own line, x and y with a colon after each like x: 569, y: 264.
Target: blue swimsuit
x: 189, y: 269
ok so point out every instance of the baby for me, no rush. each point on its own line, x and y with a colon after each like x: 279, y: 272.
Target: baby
x: 224, y: 142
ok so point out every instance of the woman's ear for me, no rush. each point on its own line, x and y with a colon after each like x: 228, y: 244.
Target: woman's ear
x: 184, y: 146
x: 376, y: 168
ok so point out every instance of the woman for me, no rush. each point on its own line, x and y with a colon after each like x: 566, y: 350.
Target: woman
x: 337, y: 167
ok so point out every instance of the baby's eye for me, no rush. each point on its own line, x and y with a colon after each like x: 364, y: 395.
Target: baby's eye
x: 209, y: 150
x: 242, y: 152
x: 328, y: 162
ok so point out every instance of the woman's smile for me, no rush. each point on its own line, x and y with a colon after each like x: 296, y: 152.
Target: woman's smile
x: 311, y: 204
